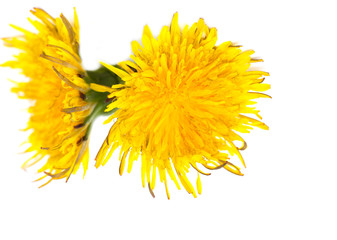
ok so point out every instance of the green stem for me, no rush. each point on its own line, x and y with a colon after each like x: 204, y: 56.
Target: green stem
x: 105, y: 77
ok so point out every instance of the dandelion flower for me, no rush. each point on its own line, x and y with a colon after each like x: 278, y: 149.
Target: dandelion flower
x: 63, y: 106
x: 183, y: 104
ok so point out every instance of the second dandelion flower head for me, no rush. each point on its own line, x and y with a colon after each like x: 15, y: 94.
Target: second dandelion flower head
x: 182, y: 105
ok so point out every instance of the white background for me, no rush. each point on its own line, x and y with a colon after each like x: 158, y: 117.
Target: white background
x: 289, y: 188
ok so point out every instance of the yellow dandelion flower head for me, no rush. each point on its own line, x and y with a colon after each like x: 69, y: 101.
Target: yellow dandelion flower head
x: 49, y: 58
x: 183, y: 104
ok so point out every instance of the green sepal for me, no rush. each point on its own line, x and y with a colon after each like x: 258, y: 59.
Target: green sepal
x: 101, y: 76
